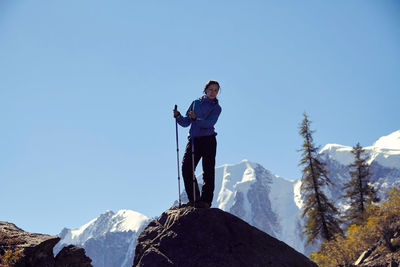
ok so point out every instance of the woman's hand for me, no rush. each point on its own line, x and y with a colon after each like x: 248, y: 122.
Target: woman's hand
x: 177, y: 114
x: 192, y: 115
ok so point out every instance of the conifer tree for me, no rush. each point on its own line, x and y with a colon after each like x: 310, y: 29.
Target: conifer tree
x: 358, y: 191
x: 321, y: 215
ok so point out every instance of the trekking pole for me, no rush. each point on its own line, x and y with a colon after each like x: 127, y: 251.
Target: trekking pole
x: 194, y: 177
x: 177, y: 158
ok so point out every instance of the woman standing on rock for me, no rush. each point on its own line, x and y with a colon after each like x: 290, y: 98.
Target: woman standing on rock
x: 201, y: 115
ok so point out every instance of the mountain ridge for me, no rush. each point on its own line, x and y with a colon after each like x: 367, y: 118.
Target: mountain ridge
x: 109, y: 240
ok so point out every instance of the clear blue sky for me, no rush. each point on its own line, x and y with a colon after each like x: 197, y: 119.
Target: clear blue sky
x: 87, y: 90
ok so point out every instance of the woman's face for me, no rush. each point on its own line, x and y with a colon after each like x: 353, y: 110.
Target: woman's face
x: 212, y: 91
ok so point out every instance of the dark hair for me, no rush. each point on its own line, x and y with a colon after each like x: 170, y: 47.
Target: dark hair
x: 211, y: 82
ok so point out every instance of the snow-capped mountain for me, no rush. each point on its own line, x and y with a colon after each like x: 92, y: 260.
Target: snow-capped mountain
x: 383, y: 158
x: 248, y: 190
x: 109, y: 240
x: 259, y: 197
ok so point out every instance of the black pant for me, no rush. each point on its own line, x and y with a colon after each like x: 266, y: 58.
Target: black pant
x: 205, y: 147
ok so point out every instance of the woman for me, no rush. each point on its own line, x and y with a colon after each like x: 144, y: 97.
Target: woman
x: 201, y: 116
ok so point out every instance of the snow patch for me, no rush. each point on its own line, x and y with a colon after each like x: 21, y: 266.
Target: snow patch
x: 122, y: 221
x: 234, y: 178
x: 385, y: 151
x: 385, y: 157
x: 127, y: 220
x: 391, y: 141
x: 77, y: 233
x: 297, y: 194
x: 340, y: 153
x: 284, y: 206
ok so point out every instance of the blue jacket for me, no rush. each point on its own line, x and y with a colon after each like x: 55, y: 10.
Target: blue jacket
x: 207, y: 112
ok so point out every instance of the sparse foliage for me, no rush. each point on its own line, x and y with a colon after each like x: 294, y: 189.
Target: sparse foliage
x: 11, y: 253
x: 321, y: 215
x: 380, y: 225
x: 358, y: 190
x: 10, y: 257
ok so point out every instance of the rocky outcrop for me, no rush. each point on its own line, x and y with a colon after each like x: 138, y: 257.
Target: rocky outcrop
x: 210, y: 237
x: 72, y: 256
x: 36, y: 250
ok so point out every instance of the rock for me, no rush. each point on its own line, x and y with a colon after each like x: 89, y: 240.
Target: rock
x: 395, y: 242
x: 210, y: 237
x: 37, y: 249
x: 71, y: 256
x: 393, y: 263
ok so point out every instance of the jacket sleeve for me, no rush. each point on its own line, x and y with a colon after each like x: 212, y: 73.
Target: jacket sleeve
x: 211, y: 120
x: 185, y: 121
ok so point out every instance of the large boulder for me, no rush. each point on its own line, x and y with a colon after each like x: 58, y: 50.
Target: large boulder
x: 36, y: 250
x: 72, y: 256
x: 210, y: 237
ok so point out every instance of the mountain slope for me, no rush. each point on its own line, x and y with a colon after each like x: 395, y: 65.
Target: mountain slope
x: 109, y: 240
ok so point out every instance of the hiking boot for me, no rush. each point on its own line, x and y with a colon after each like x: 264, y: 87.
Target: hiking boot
x: 202, y: 205
x: 187, y: 204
